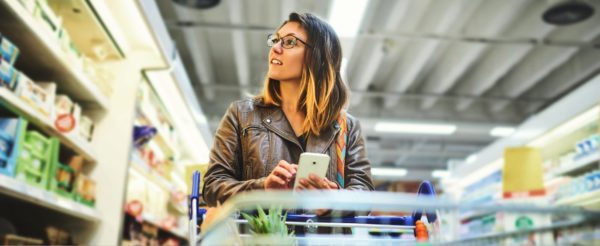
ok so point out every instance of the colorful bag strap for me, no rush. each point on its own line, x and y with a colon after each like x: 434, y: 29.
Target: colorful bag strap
x: 340, y: 147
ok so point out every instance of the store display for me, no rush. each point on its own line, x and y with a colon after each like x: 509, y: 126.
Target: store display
x: 11, y: 131
x: 8, y: 75
x: 34, y: 159
x: 39, y: 95
x: 8, y: 51
x: 86, y: 128
x: 85, y: 190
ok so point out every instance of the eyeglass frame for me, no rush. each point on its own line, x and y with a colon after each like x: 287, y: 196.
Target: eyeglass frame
x: 280, y: 39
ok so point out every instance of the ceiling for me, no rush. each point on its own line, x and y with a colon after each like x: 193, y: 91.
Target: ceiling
x: 474, y: 63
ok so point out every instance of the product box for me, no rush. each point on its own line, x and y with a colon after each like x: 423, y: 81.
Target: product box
x: 48, y: 19
x: 86, y: 128
x: 50, y: 88
x: 40, y: 96
x: 85, y: 190
x: 9, y: 51
x: 62, y: 104
x: 8, y: 75
x: 11, y: 136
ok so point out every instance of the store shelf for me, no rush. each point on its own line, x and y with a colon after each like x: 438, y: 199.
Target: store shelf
x: 468, y: 216
x: 139, y: 167
x: 584, y: 163
x: 42, y: 58
x: 82, y: 19
x: 175, y: 231
x: 22, y: 191
x: 588, y: 200
x: 18, y: 106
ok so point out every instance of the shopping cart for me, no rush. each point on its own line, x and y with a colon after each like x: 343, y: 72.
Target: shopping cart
x: 443, y: 212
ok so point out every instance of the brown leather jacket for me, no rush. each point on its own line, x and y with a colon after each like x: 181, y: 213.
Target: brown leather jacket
x: 253, y: 137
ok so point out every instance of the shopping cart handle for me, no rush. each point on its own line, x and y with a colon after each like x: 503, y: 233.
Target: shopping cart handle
x: 195, y: 192
x: 195, y: 185
x: 425, y: 189
x: 376, y: 220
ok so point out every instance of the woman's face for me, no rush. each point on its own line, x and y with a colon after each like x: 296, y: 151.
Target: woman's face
x: 286, y: 64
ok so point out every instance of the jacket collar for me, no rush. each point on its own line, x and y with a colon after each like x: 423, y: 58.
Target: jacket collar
x: 276, y: 121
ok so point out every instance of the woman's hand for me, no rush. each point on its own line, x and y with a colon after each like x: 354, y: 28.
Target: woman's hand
x: 282, y: 176
x: 315, y: 183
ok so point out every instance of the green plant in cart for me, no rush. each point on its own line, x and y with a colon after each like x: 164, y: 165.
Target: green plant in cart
x: 272, y: 224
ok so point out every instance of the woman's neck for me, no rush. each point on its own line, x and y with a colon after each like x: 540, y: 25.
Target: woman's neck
x: 290, y: 95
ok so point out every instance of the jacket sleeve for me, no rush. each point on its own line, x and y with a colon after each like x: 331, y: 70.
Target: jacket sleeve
x: 223, y: 178
x: 358, y: 168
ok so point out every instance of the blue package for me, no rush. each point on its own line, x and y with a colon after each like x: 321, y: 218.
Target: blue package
x: 9, y: 51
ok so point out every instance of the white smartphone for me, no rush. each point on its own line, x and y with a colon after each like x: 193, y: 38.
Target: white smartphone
x: 311, y: 163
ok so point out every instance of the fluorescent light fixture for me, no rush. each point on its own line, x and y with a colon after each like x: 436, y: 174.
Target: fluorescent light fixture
x: 502, y: 131
x: 388, y: 172
x: 440, y: 174
x: 346, y: 15
x: 472, y: 158
x: 415, y: 128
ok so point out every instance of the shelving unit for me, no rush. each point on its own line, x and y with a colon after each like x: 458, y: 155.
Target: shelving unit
x: 44, y: 57
x: 151, y: 220
x: 590, y: 161
x: 44, y: 198
x: 588, y: 200
x: 138, y: 167
x: 9, y: 100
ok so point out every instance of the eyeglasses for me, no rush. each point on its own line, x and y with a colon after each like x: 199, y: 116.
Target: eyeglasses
x: 289, y: 41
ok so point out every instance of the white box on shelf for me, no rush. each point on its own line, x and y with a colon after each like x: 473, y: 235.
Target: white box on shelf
x: 39, y: 97
x: 50, y: 88
x: 86, y: 128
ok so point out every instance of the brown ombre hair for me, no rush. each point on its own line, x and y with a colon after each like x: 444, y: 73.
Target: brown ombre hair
x: 323, y: 94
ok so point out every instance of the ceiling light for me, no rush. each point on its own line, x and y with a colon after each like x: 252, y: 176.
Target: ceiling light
x: 502, y: 131
x: 346, y: 15
x: 415, y: 128
x: 198, y: 4
x: 440, y: 174
x: 388, y: 172
x: 472, y: 158
x: 567, y: 13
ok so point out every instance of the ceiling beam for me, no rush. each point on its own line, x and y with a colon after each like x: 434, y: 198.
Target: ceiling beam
x: 369, y: 66
x: 550, y: 58
x: 539, y: 63
x: 239, y: 42
x: 490, y: 20
x: 585, y: 63
x: 197, y: 42
x: 419, y: 54
x: 499, y: 60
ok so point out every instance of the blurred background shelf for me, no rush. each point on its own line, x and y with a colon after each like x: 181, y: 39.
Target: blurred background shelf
x: 72, y: 141
x: 33, y: 195
x: 588, y: 200
x: 42, y: 56
x: 587, y: 162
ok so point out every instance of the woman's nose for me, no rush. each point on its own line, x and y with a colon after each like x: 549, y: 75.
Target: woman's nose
x: 278, y: 47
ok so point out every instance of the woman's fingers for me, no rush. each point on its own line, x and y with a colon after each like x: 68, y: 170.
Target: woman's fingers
x: 281, y: 176
x: 291, y: 168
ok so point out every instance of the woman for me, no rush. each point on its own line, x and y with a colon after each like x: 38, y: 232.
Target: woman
x: 301, y: 110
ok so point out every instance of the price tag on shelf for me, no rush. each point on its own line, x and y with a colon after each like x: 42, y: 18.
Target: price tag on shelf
x: 66, y: 204
x: 35, y: 192
x: 86, y: 210
x: 49, y: 197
